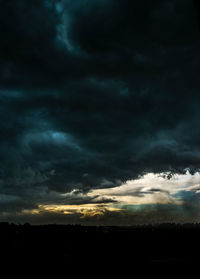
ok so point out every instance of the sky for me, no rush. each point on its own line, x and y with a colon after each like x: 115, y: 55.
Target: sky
x: 99, y: 109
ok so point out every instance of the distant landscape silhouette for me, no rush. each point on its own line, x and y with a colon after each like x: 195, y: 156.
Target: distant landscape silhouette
x: 70, y: 246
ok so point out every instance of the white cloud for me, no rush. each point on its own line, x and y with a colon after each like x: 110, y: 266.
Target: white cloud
x: 151, y: 188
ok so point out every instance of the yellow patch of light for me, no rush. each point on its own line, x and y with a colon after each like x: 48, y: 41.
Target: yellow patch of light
x: 85, y: 209
x: 30, y: 211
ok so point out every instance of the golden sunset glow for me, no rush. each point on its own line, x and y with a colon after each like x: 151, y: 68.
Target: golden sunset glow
x: 84, y: 210
x: 151, y: 189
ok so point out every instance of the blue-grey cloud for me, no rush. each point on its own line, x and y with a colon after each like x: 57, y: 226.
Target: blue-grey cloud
x: 95, y: 91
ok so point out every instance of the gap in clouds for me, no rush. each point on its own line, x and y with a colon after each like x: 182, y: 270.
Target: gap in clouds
x: 152, y: 198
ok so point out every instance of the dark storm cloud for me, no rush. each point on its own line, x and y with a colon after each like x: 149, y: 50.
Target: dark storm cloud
x: 93, y: 93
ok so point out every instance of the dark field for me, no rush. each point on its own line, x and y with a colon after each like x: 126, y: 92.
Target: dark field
x: 79, y: 248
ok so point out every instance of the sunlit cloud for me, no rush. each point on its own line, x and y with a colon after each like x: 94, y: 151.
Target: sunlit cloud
x: 151, y: 198
x: 151, y: 189
x: 84, y: 210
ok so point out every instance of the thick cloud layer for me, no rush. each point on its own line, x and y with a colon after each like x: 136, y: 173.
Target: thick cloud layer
x: 94, y: 93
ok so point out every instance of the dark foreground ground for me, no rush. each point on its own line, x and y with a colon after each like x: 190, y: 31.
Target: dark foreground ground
x: 114, y: 249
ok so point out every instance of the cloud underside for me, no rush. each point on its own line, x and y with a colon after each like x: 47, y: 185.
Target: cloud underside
x: 136, y: 202
x: 94, y: 94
